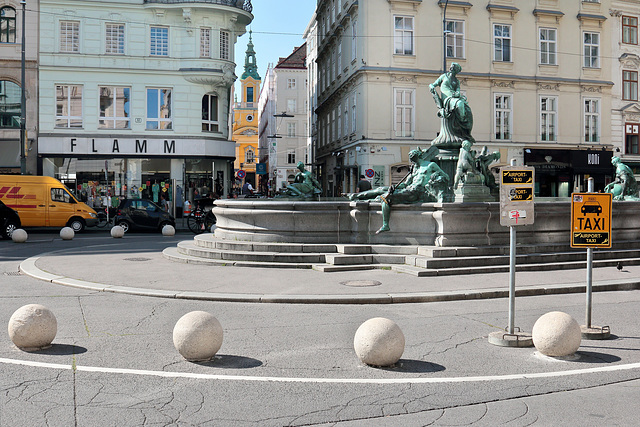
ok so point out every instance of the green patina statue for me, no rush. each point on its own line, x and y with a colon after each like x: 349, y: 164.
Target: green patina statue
x: 471, y: 163
x: 624, y: 186
x: 425, y: 182
x: 453, y: 109
x: 304, y: 185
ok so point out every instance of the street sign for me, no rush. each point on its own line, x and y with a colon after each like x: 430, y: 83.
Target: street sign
x: 369, y: 173
x: 516, y: 195
x: 591, y: 220
x: 261, y: 168
x: 241, y: 174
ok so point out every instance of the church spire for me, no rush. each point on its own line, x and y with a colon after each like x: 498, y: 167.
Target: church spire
x: 250, y: 64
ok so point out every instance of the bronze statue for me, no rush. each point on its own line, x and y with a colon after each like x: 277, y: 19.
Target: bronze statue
x: 425, y: 182
x: 482, y: 163
x: 624, y: 186
x: 466, y: 164
x: 453, y: 109
x: 304, y: 184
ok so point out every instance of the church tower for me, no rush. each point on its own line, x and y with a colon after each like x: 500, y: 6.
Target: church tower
x: 245, y: 120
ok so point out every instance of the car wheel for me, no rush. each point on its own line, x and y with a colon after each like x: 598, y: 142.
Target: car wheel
x: 125, y: 225
x: 77, y: 224
x: 9, y: 228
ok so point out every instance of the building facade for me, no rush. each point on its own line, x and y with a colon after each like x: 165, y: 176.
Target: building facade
x: 537, y: 75
x: 245, y: 121
x: 11, y: 83
x: 135, y: 95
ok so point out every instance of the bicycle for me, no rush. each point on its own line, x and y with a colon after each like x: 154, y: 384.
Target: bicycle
x: 102, y: 218
x: 200, y: 220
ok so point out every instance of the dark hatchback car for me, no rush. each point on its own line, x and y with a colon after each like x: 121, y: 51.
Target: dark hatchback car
x: 9, y: 220
x: 142, y: 214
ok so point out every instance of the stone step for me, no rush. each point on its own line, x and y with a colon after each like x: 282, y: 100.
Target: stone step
x: 188, y: 248
x: 365, y: 259
x: 173, y: 254
x: 209, y: 241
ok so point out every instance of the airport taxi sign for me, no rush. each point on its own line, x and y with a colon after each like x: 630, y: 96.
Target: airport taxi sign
x: 591, y: 220
x: 516, y: 195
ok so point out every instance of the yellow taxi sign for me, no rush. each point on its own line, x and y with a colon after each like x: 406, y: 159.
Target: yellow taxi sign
x: 591, y: 220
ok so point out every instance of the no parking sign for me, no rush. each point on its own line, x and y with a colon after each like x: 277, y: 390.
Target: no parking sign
x: 241, y: 174
x: 369, y: 173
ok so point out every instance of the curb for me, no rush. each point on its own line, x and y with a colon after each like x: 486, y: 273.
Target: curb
x: 29, y: 268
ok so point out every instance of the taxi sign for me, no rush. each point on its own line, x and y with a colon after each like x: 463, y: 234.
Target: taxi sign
x: 516, y: 195
x: 591, y: 220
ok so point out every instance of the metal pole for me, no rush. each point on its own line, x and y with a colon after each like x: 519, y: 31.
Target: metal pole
x: 23, y: 99
x: 444, y: 38
x: 512, y: 273
x: 589, y: 270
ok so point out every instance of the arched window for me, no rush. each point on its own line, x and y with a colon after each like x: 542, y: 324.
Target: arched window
x: 249, y: 156
x: 210, y: 113
x: 9, y: 105
x: 7, y: 25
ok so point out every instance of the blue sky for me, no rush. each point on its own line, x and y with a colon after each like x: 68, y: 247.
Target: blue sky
x: 277, y: 27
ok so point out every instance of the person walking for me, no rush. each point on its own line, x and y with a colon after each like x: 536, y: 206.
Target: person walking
x: 363, y: 185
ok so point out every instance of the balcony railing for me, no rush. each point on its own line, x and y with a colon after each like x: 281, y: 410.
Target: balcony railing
x: 240, y: 4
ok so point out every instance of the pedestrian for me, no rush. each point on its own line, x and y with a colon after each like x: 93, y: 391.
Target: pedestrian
x: 247, y: 189
x: 363, y: 185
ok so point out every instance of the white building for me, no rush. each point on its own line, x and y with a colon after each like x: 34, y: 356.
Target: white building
x: 136, y: 93
x: 311, y: 37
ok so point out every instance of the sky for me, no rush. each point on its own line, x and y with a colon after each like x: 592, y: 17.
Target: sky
x: 277, y: 28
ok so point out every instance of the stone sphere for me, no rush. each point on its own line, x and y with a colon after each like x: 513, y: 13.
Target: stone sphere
x: 379, y: 342
x: 168, y: 230
x: 19, y: 236
x: 33, y: 327
x: 67, y: 233
x: 556, y: 334
x: 117, y: 232
x: 197, y: 336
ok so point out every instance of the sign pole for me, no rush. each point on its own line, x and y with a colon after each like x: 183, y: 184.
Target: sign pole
x: 512, y: 278
x: 589, y: 270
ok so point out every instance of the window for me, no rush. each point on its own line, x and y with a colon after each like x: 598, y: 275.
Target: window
x: 339, y: 125
x: 403, y: 35
x: 354, y: 35
x: 61, y: 195
x: 114, y: 39
x: 250, y: 94
x: 353, y: 113
x: 346, y: 118
x: 630, y: 85
x: 224, y: 45
x: 629, y: 30
x: 159, y: 109
x: 291, y: 157
x: 632, y: 132
x: 548, y: 118
x: 205, y: 42
x: 249, y: 156
x: 210, y: 113
x: 291, y: 83
x: 334, y: 128
x: 115, y: 104
x: 291, y: 129
x: 159, y: 41
x: 339, y: 58
x: 7, y: 25
x: 68, y: 106
x: 502, y: 111
x: 591, y: 50
x: 455, y: 39
x: 69, y: 36
x: 403, y: 108
x: 548, y: 40
x: 502, y: 43
x: 591, y: 120
x: 291, y: 105
x: 9, y: 105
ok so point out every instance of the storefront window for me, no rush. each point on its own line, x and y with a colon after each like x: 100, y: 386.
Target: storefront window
x: 9, y: 105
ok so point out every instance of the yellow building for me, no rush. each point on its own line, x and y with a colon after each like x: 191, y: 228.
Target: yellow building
x: 245, y: 120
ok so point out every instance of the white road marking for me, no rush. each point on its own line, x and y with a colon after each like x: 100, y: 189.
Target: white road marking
x: 414, y: 380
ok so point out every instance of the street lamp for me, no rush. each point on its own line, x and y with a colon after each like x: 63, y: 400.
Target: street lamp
x: 444, y: 38
x: 23, y: 99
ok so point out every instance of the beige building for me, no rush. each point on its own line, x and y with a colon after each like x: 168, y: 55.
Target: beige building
x: 10, y: 83
x: 537, y: 74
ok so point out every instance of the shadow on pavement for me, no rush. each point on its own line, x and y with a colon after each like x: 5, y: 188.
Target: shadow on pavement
x: 63, y: 350
x: 227, y: 361
x: 595, y: 357
x: 414, y: 367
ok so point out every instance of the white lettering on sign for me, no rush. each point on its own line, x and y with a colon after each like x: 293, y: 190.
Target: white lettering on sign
x: 593, y: 159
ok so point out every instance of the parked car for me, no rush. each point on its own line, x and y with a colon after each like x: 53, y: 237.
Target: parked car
x: 9, y: 220
x: 142, y: 214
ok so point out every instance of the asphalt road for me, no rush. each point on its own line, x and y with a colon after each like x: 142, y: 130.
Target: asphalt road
x: 113, y: 362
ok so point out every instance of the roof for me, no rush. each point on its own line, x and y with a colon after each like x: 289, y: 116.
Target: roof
x: 297, y: 60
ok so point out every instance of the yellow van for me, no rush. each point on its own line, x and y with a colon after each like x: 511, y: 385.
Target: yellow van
x: 42, y: 201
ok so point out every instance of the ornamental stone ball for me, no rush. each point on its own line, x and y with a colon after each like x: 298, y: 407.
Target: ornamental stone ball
x: 379, y: 342
x: 67, y: 233
x: 556, y: 334
x: 117, y: 232
x: 197, y: 336
x: 33, y: 327
x: 19, y: 236
x: 168, y: 230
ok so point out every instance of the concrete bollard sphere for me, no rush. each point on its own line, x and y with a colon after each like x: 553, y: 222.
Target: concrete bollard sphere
x: 19, y: 236
x: 556, y: 334
x: 168, y: 230
x: 33, y: 327
x: 197, y: 336
x: 117, y: 232
x: 379, y: 342
x: 67, y: 233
